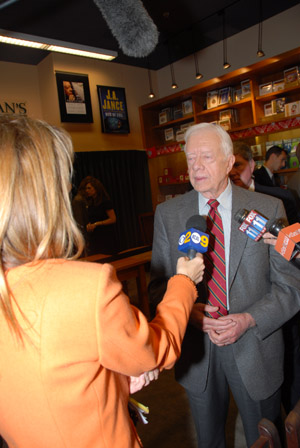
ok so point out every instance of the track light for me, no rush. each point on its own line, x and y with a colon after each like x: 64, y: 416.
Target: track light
x: 260, y: 52
x: 174, y: 85
x: 198, y: 75
x: 225, y: 62
x: 151, y: 93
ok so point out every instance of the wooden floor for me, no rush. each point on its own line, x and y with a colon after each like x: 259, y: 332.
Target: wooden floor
x: 170, y: 423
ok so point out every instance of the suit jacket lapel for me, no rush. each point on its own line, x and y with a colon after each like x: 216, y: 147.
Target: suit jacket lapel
x: 238, y: 240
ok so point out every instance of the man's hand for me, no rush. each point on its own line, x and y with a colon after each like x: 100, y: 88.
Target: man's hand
x: 239, y: 325
x: 137, y: 383
x: 204, y: 323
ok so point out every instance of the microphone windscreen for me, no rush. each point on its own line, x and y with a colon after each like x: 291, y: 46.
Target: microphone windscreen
x: 275, y: 225
x: 198, y: 222
x: 131, y: 25
x: 241, y: 215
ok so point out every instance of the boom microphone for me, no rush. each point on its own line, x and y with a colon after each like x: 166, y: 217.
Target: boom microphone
x: 131, y: 25
x: 194, y: 239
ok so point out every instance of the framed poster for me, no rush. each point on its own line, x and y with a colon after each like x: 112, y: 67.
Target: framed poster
x: 113, y: 109
x: 74, y: 98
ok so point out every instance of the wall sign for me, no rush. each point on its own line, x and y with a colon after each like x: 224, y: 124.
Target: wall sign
x: 113, y: 109
x: 74, y: 98
x: 9, y: 107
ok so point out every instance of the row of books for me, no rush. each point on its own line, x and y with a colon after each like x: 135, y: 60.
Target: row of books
x: 176, y: 133
x: 279, y: 106
x: 228, y: 118
x: 291, y: 78
x: 178, y: 111
x: 228, y: 95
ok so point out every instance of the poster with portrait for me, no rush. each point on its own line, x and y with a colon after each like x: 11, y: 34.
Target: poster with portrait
x: 113, y: 109
x: 74, y: 98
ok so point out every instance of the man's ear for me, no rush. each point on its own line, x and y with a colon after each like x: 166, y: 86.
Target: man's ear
x: 252, y: 165
x: 230, y: 162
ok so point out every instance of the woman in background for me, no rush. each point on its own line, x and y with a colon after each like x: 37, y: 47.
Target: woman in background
x: 101, y: 219
x: 70, y: 340
x: 95, y: 215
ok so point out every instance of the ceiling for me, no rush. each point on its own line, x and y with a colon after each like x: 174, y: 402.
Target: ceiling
x: 184, y: 26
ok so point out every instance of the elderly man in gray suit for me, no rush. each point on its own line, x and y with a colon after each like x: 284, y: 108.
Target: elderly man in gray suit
x: 243, y: 348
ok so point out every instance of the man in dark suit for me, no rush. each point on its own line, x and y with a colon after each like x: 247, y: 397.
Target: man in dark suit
x: 275, y: 160
x: 243, y: 349
x: 242, y: 174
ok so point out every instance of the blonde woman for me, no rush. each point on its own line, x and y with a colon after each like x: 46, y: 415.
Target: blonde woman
x: 70, y: 340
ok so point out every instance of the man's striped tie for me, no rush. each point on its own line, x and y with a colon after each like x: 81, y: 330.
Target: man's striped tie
x: 215, y: 261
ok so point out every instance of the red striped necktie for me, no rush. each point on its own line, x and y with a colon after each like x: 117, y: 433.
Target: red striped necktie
x: 215, y: 261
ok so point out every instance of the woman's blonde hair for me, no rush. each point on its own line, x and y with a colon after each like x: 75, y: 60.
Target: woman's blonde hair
x: 36, y: 221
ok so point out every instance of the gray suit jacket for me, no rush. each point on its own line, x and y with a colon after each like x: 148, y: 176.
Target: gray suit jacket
x: 261, y: 282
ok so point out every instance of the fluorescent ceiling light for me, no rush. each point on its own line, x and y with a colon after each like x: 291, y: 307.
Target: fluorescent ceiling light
x: 42, y: 43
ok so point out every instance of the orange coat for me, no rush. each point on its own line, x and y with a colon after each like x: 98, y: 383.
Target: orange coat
x: 66, y: 385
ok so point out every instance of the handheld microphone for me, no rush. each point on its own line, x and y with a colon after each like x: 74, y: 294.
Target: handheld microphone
x: 255, y: 225
x: 194, y: 239
x: 288, y: 237
x: 252, y: 223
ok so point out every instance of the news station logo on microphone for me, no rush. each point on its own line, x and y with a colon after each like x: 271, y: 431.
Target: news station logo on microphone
x: 252, y: 223
x: 288, y: 241
x: 255, y: 225
x: 194, y: 240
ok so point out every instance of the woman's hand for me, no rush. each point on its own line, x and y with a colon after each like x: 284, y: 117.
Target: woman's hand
x: 91, y: 227
x: 136, y: 383
x: 192, y: 268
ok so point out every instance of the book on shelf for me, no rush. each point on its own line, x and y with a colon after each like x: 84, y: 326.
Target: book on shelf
x: 225, y: 95
x: 212, y: 99
x: 268, y: 110
x: 246, y: 88
x: 226, y: 124
x: 165, y: 115
x: 180, y: 135
x: 265, y: 88
x: 256, y: 150
x: 237, y: 95
x: 177, y: 111
x: 184, y: 127
x: 169, y: 134
x: 278, y: 85
x: 278, y: 105
x: 187, y: 107
x: 228, y: 114
x: 292, y: 108
x: 291, y: 77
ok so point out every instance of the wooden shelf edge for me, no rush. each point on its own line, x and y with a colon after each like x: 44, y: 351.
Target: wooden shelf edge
x: 273, y: 95
x: 171, y: 123
x: 224, y: 106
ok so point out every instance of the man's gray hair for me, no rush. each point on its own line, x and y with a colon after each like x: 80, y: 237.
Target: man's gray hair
x: 225, y: 140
